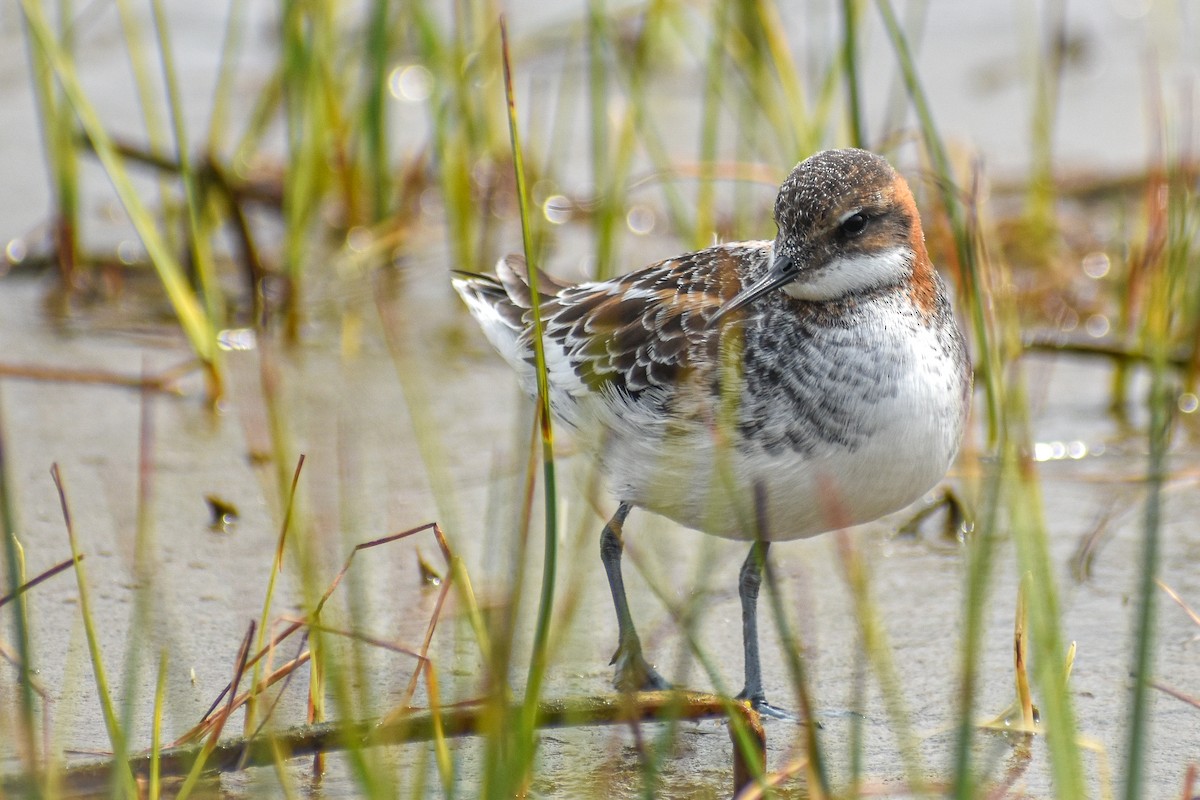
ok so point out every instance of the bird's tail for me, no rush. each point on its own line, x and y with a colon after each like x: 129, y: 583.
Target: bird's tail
x: 500, y: 304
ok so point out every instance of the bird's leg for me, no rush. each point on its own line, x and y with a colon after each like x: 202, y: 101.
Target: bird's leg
x: 749, y: 583
x: 633, y: 673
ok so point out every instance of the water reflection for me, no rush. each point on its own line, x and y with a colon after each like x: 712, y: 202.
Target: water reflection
x: 1060, y: 451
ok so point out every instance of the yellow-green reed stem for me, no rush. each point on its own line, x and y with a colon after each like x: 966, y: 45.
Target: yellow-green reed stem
x: 760, y: 56
x: 1022, y: 490
x: 307, y: 49
x: 226, y: 73
x: 260, y: 118
x: 801, y: 132
x: 895, y: 116
x: 375, y: 92
x: 316, y: 687
x: 156, y: 132
x: 62, y: 160
x: 454, y: 133
x: 641, y: 121
x: 1048, y: 75
x: 196, y: 326
x: 757, y: 103
x: 637, y: 128
x: 607, y: 199
x: 1169, y: 274
x: 67, y: 158
x: 979, y: 549
x: 850, y: 17
x: 687, y: 616
x: 879, y: 655
x: 265, y: 616
x: 1021, y: 664
x: 14, y: 568
x: 710, y: 119
x: 858, y: 713
x: 419, y: 401
x: 1159, y: 436
x: 971, y: 271
x: 198, y: 229
x: 123, y: 781
x: 210, y: 743
x: 1048, y: 651
x: 799, y: 675
x: 538, y: 662
x: 154, y: 789
x: 143, y: 563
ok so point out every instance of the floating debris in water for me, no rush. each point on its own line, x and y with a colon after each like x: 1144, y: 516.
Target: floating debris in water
x: 224, y: 514
x: 429, y: 575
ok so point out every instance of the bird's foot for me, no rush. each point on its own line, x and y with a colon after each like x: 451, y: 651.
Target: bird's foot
x: 759, y: 703
x: 634, y: 673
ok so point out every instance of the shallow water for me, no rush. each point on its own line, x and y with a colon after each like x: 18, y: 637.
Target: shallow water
x: 424, y: 423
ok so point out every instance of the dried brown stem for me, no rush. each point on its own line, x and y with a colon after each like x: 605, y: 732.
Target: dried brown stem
x: 165, y: 381
x: 417, y: 726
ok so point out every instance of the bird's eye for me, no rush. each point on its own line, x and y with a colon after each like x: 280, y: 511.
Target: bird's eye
x: 854, y: 225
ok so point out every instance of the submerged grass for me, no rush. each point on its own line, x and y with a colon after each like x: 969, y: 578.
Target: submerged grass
x: 343, y: 174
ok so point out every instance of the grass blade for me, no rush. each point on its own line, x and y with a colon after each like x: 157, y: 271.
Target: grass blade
x: 537, y: 666
x: 14, y: 564
x: 850, y: 17
x: 123, y: 778
x: 196, y: 325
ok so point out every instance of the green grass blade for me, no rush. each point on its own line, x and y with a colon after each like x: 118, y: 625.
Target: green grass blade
x: 156, y: 132
x: 879, y: 654
x: 607, y: 209
x: 374, y: 128
x: 265, y: 616
x: 123, y: 782
x: 850, y: 18
x: 538, y: 662
x: 1170, y: 273
x: 199, y: 233
x: 710, y: 119
x: 231, y: 43
x: 196, y: 326
x: 14, y: 564
x: 971, y: 270
x: 154, y: 787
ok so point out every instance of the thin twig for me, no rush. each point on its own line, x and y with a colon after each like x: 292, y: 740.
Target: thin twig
x: 163, y: 382
x: 50, y: 573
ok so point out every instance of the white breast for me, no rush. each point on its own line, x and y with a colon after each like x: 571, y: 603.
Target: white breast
x: 695, y: 475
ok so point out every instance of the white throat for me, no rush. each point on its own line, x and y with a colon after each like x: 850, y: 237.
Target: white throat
x: 851, y: 274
